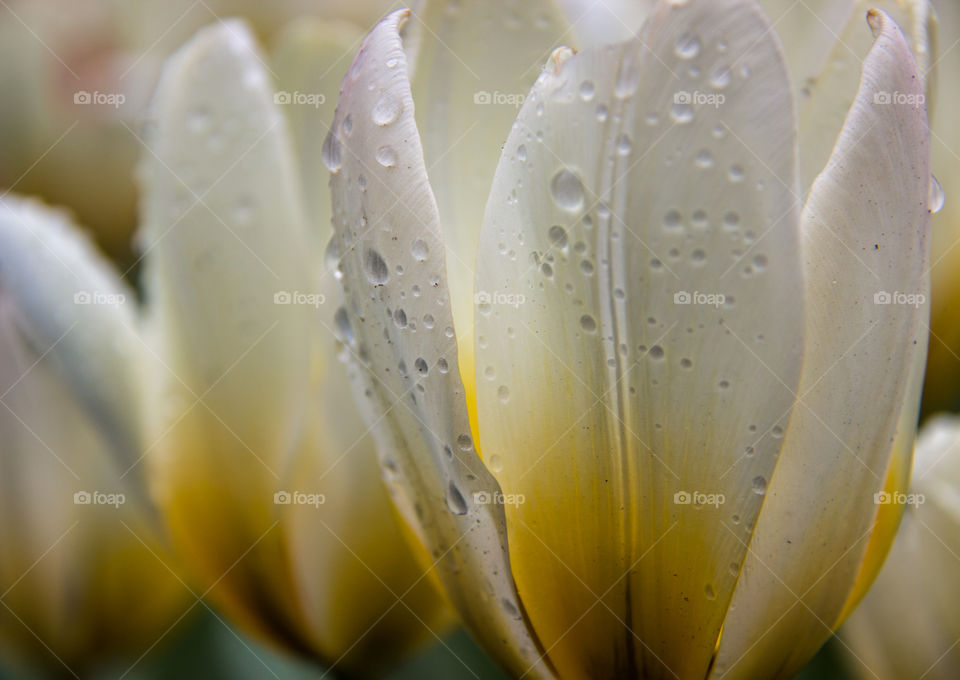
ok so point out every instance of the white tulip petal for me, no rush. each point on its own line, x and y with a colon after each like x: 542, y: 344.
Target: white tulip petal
x: 223, y: 237
x: 866, y: 225
x: 640, y: 331
x: 399, y: 329
x: 908, y: 624
x: 475, y: 63
x: 826, y: 45
x: 310, y: 58
x: 72, y: 308
x: 231, y: 305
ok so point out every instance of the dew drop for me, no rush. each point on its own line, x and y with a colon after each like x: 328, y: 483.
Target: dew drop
x: 681, y: 113
x: 455, y: 500
x: 330, y: 153
x: 936, y: 196
x: 521, y: 153
x: 375, y: 267
x: 503, y: 394
x: 704, y: 159
x: 688, y: 46
x: 421, y: 365
x: 759, y: 485
x: 331, y: 258
x: 442, y: 365
x: 720, y: 76
x: 588, y: 323
x: 558, y: 236
x: 465, y: 442
x: 567, y: 190
x: 586, y: 266
x: 686, y: 363
x: 731, y: 220
x: 400, y: 318
x: 709, y: 592
x: 601, y: 113
x: 624, y: 144
x: 656, y: 352
x: 496, y: 463
x: 735, y: 173
x: 386, y: 156
x: 347, y: 125
x: 672, y: 220
x: 342, y: 320
x: 586, y: 90
x: 698, y: 256
x: 420, y: 250
x: 387, y: 109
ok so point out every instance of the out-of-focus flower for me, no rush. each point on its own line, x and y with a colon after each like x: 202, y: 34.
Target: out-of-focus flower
x: 77, y: 76
x: 908, y: 625
x: 941, y: 390
x: 261, y: 464
x: 688, y: 374
x: 84, y: 578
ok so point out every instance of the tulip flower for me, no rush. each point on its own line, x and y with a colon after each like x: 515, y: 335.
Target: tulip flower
x: 85, y: 578
x: 77, y: 78
x: 651, y: 448
x: 907, y: 625
x: 264, y: 475
x: 264, y: 472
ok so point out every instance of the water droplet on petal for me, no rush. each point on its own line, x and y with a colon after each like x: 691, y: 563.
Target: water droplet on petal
x: 567, y: 190
x: 759, y: 485
x: 624, y: 144
x: 465, y: 442
x: 330, y: 153
x: 331, y: 258
x: 387, y: 156
x: 720, y: 76
x: 558, y: 236
x: 936, y: 196
x: 420, y: 250
x: 342, y: 320
x: 387, y: 109
x: 586, y: 90
x: 455, y: 500
x: 681, y: 113
x: 588, y: 323
x: 375, y: 267
x: 688, y: 46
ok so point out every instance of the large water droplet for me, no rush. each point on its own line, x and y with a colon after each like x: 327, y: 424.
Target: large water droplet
x: 586, y: 90
x: 330, y: 153
x: 375, y: 268
x: 420, y: 250
x: 387, y: 156
x: 720, y: 76
x: 681, y: 113
x: 387, y: 109
x: 558, y: 236
x: 567, y: 190
x: 688, y: 45
x: 455, y: 500
x: 331, y: 258
x: 936, y: 196
x: 342, y: 319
